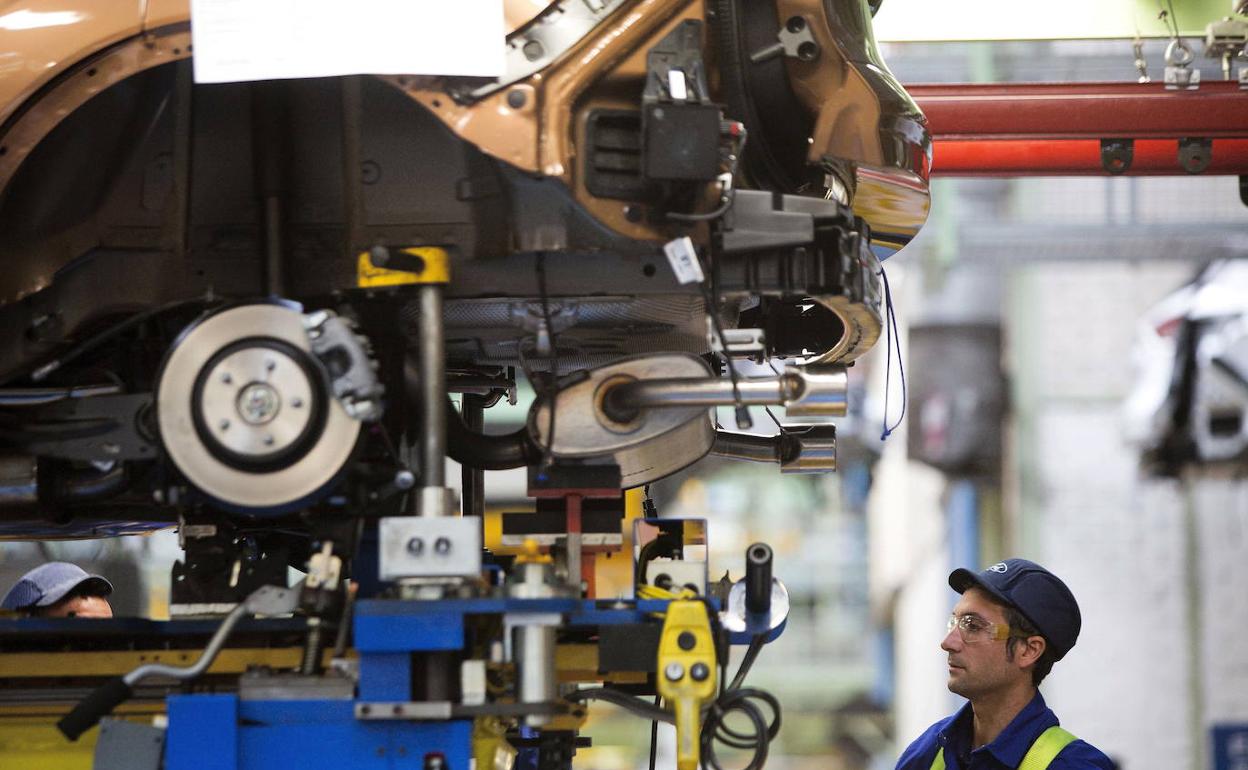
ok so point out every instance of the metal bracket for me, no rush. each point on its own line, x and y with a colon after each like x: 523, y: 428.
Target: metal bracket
x: 1195, y: 154
x: 742, y: 343
x: 795, y: 42
x: 1179, y: 75
x: 1116, y: 155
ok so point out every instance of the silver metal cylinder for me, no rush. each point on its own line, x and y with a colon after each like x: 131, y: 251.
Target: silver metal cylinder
x: 803, y: 391
x: 432, y: 387
x: 746, y: 446
x: 533, y: 641
x: 535, y: 668
x: 798, y: 449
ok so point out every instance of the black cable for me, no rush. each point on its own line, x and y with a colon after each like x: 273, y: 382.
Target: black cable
x: 88, y: 345
x: 742, y: 700
x: 742, y: 412
x: 724, y: 207
x: 630, y: 703
x: 751, y: 654
x: 654, y: 734
x: 730, y: 195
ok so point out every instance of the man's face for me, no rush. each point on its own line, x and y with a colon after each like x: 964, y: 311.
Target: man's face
x: 979, y: 667
x: 78, y: 607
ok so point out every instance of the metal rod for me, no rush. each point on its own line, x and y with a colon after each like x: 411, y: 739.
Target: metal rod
x: 352, y: 206
x: 44, y: 396
x: 473, y: 481
x: 177, y: 226
x: 801, y: 390
x: 679, y: 392
x: 433, y: 387
x: 270, y: 118
x: 205, y: 659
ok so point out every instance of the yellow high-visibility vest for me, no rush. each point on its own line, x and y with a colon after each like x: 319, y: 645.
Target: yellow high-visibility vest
x: 1042, y: 752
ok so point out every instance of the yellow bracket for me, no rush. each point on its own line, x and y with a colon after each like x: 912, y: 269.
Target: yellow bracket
x: 436, y: 269
x: 687, y: 673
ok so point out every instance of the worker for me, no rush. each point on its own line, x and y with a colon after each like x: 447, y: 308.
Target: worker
x: 1013, y: 621
x: 59, y: 589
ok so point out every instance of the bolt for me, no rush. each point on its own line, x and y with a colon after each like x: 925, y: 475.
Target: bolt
x: 379, y: 255
x: 699, y: 672
x: 226, y: 378
x: 296, y: 403
x: 442, y: 546
x: 404, y: 479
x: 686, y: 640
x: 416, y: 546
x: 258, y: 403
x: 270, y: 365
x: 268, y: 440
x: 224, y: 425
x: 516, y: 98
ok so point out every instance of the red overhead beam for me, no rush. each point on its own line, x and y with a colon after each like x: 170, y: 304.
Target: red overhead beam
x: 1056, y: 128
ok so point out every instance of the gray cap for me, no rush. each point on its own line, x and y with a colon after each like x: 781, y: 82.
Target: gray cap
x: 47, y: 584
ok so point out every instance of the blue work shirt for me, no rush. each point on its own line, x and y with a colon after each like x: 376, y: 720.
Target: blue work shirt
x: 953, y: 735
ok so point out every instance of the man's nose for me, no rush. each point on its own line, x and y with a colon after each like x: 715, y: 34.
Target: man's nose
x: 952, y: 641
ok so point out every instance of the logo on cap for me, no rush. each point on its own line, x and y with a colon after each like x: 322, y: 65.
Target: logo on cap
x: 998, y: 567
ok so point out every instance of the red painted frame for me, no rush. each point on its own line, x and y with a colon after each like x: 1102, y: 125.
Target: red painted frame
x: 1039, y: 129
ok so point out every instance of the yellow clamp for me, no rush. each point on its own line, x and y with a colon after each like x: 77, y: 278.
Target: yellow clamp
x: 530, y: 553
x: 687, y: 673
x: 433, y: 263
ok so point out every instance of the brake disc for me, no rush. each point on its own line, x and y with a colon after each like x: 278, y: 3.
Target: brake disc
x: 246, y: 412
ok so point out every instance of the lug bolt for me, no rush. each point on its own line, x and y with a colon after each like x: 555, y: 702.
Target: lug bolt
x: 224, y: 425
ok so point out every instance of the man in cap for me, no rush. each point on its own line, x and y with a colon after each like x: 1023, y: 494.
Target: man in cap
x: 60, y: 590
x: 1012, y: 623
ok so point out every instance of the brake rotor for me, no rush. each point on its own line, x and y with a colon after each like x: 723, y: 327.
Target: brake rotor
x: 246, y: 413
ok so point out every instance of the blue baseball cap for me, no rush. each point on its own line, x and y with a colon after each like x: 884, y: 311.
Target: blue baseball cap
x: 47, y: 584
x: 1035, y: 592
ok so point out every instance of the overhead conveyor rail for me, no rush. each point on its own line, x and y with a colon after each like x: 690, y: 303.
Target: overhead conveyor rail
x: 1067, y: 129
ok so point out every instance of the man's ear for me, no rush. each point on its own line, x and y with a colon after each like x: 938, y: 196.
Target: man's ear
x: 1029, y: 650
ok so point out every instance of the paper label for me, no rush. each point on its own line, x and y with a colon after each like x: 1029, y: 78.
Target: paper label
x: 683, y: 258
x: 244, y: 40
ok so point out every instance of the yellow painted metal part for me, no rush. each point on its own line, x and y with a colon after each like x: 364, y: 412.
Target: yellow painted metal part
x: 489, y: 745
x: 17, y: 665
x: 437, y: 269
x: 31, y: 743
x: 686, y: 621
x: 29, y: 739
